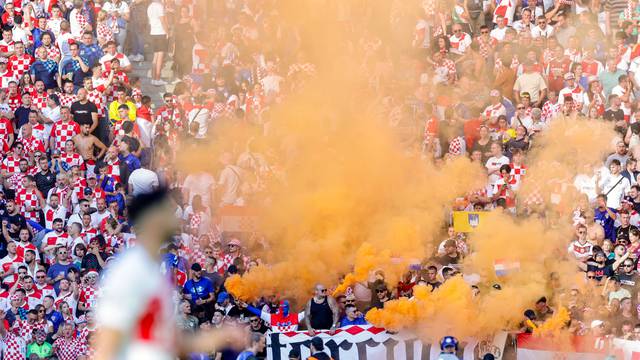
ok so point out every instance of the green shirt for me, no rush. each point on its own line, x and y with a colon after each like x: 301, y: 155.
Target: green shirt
x: 43, y: 351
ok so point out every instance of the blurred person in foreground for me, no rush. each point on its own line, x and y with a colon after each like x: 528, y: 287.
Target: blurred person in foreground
x: 136, y: 311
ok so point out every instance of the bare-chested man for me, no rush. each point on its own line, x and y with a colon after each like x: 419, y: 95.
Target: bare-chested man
x: 87, y: 145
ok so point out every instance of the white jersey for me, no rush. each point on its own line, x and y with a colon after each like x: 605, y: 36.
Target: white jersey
x: 136, y: 300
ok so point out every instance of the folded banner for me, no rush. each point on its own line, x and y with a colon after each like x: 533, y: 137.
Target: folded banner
x: 543, y: 348
x: 468, y: 221
x: 630, y: 349
x: 372, y: 343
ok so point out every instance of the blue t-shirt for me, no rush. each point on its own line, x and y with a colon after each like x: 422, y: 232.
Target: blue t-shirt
x: 132, y: 162
x: 200, y: 289
x: 55, y: 318
x: 357, y: 321
x: 57, y: 269
x: 602, y: 217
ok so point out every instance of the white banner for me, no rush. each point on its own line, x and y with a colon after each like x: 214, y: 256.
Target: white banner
x: 546, y: 348
x: 630, y: 349
x: 371, y: 343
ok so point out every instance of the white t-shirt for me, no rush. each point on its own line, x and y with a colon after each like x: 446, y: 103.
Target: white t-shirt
x: 494, y: 163
x: 154, y: 12
x: 110, y: 7
x: 616, y: 188
x: 230, y: 182
x: 136, y: 300
x: 199, y: 184
x: 143, y: 181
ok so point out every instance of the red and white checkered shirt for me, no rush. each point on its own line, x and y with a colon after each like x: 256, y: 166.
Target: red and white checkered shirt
x: 11, y: 163
x: 67, y: 99
x: 227, y: 260
x: 7, y: 77
x: 22, y: 247
x: 63, y: 131
x: 518, y: 172
x: 32, y: 144
x: 6, y: 128
x: 67, y: 349
x: 53, y: 52
x: 88, y: 234
x: 40, y: 100
x: 88, y: 296
x: 15, y: 347
x: 31, y: 89
x: 73, y: 159
x: 97, y: 97
x: 113, y: 169
x: 104, y: 31
x: 16, y: 181
x: 20, y: 65
x: 111, y: 91
x: 166, y: 115
x: 78, y: 187
x: 15, y: 102
x: 54, y: 239
x: 46, y: 290
x: 550, y: 110
x: 448, y: 64
x: 29, y: 199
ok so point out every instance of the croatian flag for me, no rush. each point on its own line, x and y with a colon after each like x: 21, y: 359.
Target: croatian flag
x: 504, y: 267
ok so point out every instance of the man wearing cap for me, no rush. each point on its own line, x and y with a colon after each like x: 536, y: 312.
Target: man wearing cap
x: 234, y: 251
x: 6, y: 76
x: 224, y: 304
x: 199, y: 290
x: 496, y: 108
x: 571, y: 89
x: 317, y: 350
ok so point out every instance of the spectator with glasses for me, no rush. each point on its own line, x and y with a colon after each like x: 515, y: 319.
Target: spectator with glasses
x: 58, y: 270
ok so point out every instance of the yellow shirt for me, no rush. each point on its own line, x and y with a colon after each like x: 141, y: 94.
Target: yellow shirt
x: 113, y: 111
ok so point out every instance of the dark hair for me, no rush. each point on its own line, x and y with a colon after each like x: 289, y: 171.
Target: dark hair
x: 142, y: 203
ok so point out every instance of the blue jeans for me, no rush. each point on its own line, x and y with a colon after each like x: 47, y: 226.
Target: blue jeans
x: 137, y: 41
x: 120, y: 38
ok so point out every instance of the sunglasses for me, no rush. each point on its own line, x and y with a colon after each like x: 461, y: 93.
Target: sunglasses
x: 591, y: 277
x: 255, y: 321
x: 380, y: 291
x: 628, y: 265
x: 40, y: 277
x: 323, y: 290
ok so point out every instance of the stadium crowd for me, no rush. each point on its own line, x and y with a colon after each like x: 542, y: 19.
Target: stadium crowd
x: 79, y: 137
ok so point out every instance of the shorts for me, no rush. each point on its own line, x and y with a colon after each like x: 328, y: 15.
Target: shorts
x: 159, y: 43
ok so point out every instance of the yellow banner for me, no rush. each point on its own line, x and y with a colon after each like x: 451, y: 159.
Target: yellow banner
x: 468, y: 221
